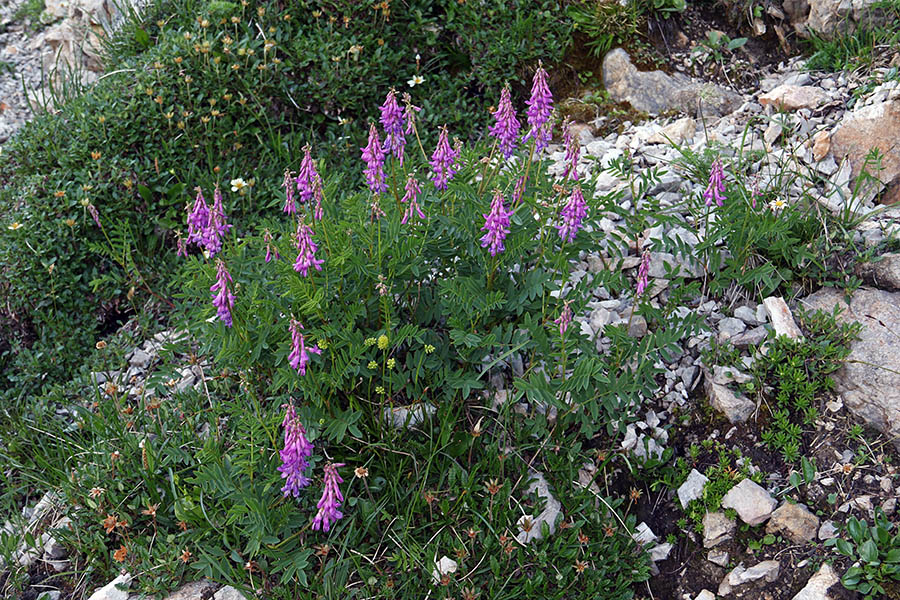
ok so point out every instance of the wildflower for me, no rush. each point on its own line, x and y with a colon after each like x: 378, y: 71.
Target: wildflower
x: 381, y: 286
x: 297, y: 449
x: 318, y: 195
x: 716, y: 187
x: 580, y: 566
x: 307, y: 176
x: 150, y: 510
x: 224, y: 299
x: 496, y: 224
x: 412, y: 192
x: 442, y: 161
x: 383, y: 342
x: 372, y: 365
x: 181, y: 246
x: 409, y: 114
x: 198, y: 217
x: 429, y: 348
x: 14, y: 226
x: 379, y: 390
x: 185, y: 556
x: 100, y: 345
x: 369, y: 341
x: 777, y: 205
x: 238, y: 185
x: 120, y: 554
x: 492, y: 487
x: 540, y: 105
x: 95, y: 215
x: 217, y: 226
x: 564, y: 318
x: 572, y: 214
x: 331, y: 499
x: 361, y: 472
x: 643, y: 273
x: 299, y: 356
x: 373, y: 155
x: 416, y: 80
x: 306, y: 257
x: 270, y: 247
x: 109, y: 523
x: 572, y: 150
x: 391, y: 363
x: 506, y: 129
x: 96, y: 492
x: 518, y: 190
x: 391, y: 121
x: 290, y: 207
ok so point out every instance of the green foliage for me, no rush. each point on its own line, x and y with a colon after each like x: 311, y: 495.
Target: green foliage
x: 862, y: 47
x: 724, y: 468
x: 791, y: 377
x: 202, y: 93
x: 876, y: 554
x: 609, y: 23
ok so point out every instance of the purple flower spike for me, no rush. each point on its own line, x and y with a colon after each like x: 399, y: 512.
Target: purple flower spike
x: 572, y: 214
x: 290, y: 207
x: 643, y: 273
x: 519, y: 190
x: 506, y: 129
x: 318, y: 195
x: 442, y: 161
x: 392, y: 122
x: 198, y: 217
x: 409, y: 114
x: 540, y: 106
x: 217, y: 226
x: 270, y: 247
x: 331, y: 499
x: 307, y: 176
x: 496, y: 224
x: 573, y: 149
x: 565, y: 318
x: 412, y: 194
x: 224, y: 299
x: 716, y: 187
x: 299, y: 356
x: 181, y: 245
x: 306, y: 257
x: 373, y: 155
x: 293, y: 458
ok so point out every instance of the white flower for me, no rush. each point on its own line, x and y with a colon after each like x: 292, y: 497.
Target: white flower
x: 14, y: 226
x: 416, y: 80
x: 238, y: 184
x: 777, y: 204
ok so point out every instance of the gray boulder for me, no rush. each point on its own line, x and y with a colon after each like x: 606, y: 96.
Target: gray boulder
x: 869, y: 380
x: 655, y: 91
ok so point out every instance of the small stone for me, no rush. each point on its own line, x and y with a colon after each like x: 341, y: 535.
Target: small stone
x: 754, y: 505
x: 692, y: 488
x: 229, y: 593
x: 827, y: 531
x: 821, y: 145
x: 705, y: 595
x: 192, y: 591
x: 754, y: 337
x: 110, y: 591
x: 445, y: 566
x: 406, y: 417
x: 600, y: 317
x: 736, y: 409
x: 140, y: 359
x: 746, y: 314
x: 781, y: 318
x: 643, y: 534
x: 675, y: 133
x: 661, y: 552
x: 817, y: 586
x: 730, y: 327
x: 725, y: 375
x: 768, y: 570
x: 792, y: 97
x: 795, y: 521
x: 718, y: 557
x: 717, y: 528
x: 548, y: 516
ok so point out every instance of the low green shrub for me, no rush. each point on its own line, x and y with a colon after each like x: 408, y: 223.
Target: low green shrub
x: 203, y: 92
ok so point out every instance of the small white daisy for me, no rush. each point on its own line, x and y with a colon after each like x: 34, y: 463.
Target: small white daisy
x: 238, y: 184
x: 416, y: 80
